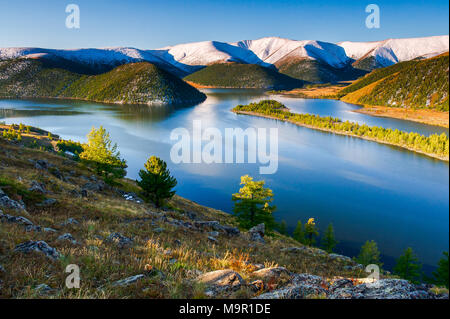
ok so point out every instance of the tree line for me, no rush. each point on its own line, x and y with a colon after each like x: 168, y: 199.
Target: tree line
x: 434, y: 144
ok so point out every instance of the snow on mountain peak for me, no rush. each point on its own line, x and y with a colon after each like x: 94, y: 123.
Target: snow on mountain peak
x: 391, y: 51
x: 267, y: 51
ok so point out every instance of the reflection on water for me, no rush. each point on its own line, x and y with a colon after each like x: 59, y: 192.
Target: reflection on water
x: 367, y: 190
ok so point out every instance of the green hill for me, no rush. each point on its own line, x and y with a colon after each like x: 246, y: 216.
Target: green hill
x: 135, y: 83
x: 315, y: 72
x: 376, y: 75
x: 412, y: 84
x: 235, y: 75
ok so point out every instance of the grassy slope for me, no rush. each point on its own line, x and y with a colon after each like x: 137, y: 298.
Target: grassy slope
x: 413, y: 84
x: 133, y: 83
x: 375, y: 75
x: 104, y: 212
x: 235, y: 75
x: 315, y: 72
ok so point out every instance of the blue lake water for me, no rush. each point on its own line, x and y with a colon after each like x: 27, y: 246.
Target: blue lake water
x: 367, y: 190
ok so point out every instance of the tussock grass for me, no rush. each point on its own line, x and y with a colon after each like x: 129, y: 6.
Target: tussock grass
x: 171, y: 259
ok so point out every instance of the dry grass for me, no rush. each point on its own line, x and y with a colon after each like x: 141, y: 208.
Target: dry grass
x: 175, y: 255
x: 318, y: 91
x: 431, y: 117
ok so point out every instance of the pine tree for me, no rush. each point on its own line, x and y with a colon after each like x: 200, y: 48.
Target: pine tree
x: 156, y: 182
x: 103, y: 155
x: 311, y: 232
x: 408, y: 266
x: 282, y: 228
x: 441, y: 274
x: 369, y: 254
x: 299, y: 234
x: 329, y: 241
x: 252, y: 204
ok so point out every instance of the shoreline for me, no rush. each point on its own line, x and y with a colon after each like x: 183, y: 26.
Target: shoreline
x: 405, y: 114
x: 61, y: 98
x: 442, y: 158
x: 423, y: 116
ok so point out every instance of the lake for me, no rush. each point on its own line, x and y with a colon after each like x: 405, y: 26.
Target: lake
x: 367, y: 190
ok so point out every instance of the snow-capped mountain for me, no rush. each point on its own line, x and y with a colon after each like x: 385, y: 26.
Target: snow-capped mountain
x: 391, y: 51
x: 187, y: 58
x: 265, y: 52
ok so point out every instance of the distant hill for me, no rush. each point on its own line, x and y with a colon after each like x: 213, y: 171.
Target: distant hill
x: 236, y: 75
x: 412, y: 84
x: 314, y: 71
x: 133, y: 83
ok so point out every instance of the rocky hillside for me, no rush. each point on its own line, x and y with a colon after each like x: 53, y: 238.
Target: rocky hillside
x: 134, y: 83
x: 55, y: 212
x: 235, y: 75
x: 412, y: 84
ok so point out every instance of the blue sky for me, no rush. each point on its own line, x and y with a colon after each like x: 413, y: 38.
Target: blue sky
x: 153, y: 23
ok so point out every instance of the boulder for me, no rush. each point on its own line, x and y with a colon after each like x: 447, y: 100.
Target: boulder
x: 56, y: 172
x: 8, y: 203
x: 43, y: 289
x: 295, y: 249
x: 257, y: 233
x: 229, y: 230
x: 35, y: 228
x: 128, y: 281
x: 133, y: 197
x: 341, y: 283
x: 257, y: 285
x: 212, y: 239
x: 120, y: 240
x: 221, y: 281
x: 271, y: 274
x: 94, y: 186
x: 48, y: 202
x: 340, y: 257
x: 38, y: 246
x: 307, y: 279
x: 381, y: 289
x: 294, y: 292
x: 41, y: 164
x: 15, y: 219
x: 68, y: 237
x: 70, y: 221
x: 37, y: 187
x: 206, y: 224
x: 192, y: 215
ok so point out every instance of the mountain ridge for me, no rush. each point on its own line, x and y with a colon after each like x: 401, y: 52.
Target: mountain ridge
x: 272, y: 52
